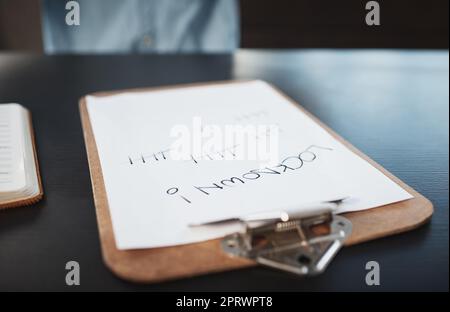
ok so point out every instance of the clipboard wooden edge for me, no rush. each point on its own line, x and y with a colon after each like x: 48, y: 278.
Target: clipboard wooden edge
x: 28, y: 201
x: 161, y: 264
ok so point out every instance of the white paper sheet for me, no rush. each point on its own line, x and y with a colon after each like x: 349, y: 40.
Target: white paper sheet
x: 153, y: 197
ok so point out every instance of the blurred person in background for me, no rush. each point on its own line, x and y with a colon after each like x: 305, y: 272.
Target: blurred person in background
x: 142, y: 26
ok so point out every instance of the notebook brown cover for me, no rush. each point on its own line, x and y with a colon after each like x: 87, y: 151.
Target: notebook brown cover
x: 159, y: 264
x: 26, y: 201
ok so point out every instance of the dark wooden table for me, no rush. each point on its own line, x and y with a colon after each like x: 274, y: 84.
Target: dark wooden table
x: 393, y: 105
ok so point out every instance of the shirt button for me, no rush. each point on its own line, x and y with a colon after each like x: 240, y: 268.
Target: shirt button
x: 147, y: 41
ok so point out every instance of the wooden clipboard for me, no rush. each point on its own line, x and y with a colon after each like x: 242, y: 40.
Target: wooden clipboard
x: 159, y: 264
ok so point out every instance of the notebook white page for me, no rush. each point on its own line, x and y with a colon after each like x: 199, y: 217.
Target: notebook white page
x: 18, y: 173
x: 153, y: 197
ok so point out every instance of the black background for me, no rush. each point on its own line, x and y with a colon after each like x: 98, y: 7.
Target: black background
x: 341, y: 24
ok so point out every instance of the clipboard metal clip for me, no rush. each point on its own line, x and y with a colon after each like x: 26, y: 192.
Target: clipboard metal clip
x: 302, y: 246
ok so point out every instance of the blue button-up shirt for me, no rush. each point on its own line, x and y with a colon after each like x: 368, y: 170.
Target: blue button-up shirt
x: 124, y: 26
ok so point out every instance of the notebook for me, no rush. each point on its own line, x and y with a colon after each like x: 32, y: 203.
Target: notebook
x: 167, y: 163
x: 20, y: 183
